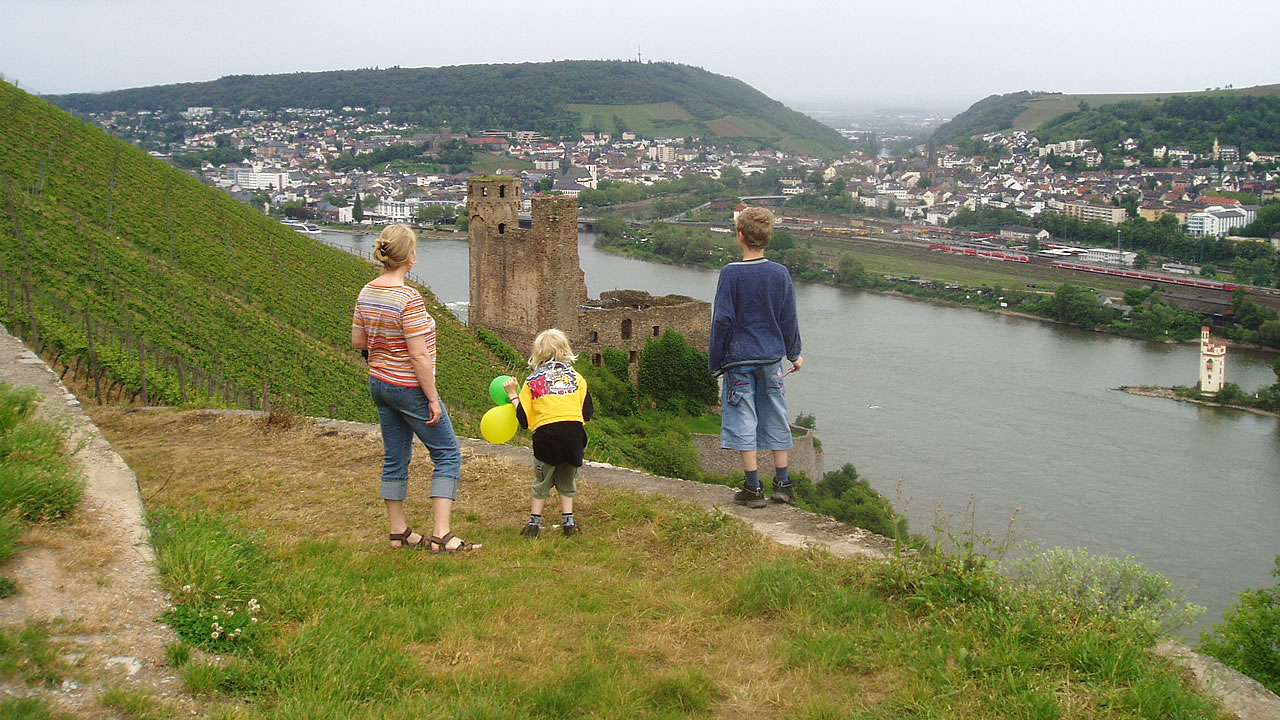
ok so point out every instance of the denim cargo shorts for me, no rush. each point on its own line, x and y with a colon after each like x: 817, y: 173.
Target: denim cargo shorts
x: 754, y: 404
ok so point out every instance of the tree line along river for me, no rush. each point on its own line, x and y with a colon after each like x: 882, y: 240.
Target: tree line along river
x: 943, y: 409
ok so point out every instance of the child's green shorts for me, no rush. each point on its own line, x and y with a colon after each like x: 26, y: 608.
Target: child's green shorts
x: 563, y: 477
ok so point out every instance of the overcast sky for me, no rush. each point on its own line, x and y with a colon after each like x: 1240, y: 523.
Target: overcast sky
x: 949, y: 52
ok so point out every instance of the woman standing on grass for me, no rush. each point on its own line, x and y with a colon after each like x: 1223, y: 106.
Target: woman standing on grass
x: 392, y: 325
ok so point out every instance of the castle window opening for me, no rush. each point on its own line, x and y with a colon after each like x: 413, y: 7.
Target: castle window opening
x: 502, y: 191
x: 655, y: 331
x: 595, y: 336
x: 626, y: 329
x: 484, y: 192
x: 632, y: 358
x: 502, y: 228
x: 595, y: 359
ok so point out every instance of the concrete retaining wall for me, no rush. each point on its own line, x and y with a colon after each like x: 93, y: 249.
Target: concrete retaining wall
x: 802, y: 458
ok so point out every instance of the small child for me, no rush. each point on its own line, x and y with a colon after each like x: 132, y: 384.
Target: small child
x: 554, y: 404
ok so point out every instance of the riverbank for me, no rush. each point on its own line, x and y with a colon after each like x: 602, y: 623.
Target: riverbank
x: 1172, y: 394
x: 948, y: 294
x: 370, y: 230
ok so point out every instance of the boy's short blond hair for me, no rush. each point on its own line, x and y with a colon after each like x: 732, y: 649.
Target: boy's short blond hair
x: 756, y: 226
x: 550, y: 345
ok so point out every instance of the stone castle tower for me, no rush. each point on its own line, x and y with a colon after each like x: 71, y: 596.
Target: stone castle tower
x: 1213, y: 362
x: 523, y: 280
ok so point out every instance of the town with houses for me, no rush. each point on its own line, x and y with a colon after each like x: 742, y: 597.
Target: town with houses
x: 288, y: 154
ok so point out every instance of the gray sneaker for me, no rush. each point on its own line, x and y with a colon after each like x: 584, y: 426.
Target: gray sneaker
x: 783, y: 494
x: 571, y: 530
x: 530, y: 530
x: 750, y: 498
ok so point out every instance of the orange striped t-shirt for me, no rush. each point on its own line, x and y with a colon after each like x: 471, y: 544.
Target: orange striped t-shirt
x: 389, y: 315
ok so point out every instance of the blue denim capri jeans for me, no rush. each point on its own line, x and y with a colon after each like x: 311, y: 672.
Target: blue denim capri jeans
x: 403, y: 413
x: 754, y: 404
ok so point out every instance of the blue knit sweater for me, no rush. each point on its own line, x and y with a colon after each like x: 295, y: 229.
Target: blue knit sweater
x: 754, y: 318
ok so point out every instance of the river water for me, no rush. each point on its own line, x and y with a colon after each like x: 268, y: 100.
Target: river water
x: 943, y: 409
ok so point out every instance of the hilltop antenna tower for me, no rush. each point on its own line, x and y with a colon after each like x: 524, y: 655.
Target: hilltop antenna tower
x: 638, y: 53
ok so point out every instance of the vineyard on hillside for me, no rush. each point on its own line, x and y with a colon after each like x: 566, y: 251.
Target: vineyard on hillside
x: 152, y: 284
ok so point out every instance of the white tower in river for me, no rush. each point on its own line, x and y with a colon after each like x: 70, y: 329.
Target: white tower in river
x: 1213, y: 362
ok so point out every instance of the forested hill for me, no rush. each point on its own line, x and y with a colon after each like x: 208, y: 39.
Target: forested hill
x: 99, y: 240
x: 1248, y: 118
x: 525, y: 96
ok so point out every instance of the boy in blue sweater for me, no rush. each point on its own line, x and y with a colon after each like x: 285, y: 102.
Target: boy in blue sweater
x: 753, y: 327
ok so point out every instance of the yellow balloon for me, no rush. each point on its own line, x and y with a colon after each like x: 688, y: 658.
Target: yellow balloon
x: 499, y: 424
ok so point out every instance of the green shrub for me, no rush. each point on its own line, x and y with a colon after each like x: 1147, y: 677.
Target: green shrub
x: 674, y: 374
x: 1230, y: 393
x: 1248, y: 638
x: 1092, y: 585
x: 850, y: 499
x: 656, y: 442
x: 670, y: 453
x: 612, y: 393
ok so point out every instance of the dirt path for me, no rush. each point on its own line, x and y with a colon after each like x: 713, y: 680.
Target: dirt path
x: 92, y: 579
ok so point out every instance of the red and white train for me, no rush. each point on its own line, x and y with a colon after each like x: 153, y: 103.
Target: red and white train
x: 980, y: 252
x: 1149, y: 276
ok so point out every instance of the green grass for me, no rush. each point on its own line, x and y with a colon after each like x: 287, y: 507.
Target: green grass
x: 27, y: 654
x: 487, y: 162
x: 38, y: 481
x: 662, y: 610
x: 28, y: 708
x: 138, y: 705
x: 665, y: 119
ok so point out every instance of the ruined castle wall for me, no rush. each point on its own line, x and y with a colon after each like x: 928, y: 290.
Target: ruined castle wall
x: 629, y: 328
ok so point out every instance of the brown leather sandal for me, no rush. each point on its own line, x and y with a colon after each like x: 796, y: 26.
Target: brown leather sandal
x: 443, y: 542
x: 403, y: 539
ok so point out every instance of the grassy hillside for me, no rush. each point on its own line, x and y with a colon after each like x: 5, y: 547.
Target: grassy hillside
x: 221, y: 300
x: 1041, y: 110
x: 557, y: 98
x: 661, y: 610
x: 1033, y: 110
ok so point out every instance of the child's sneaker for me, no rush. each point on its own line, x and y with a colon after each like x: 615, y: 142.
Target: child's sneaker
x: 783, y: 494
x: 750, y: 498
x: 530, y: 531
x: 571, y: 530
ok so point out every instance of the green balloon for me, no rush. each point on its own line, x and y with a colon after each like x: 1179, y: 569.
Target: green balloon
x: 498, y: 392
